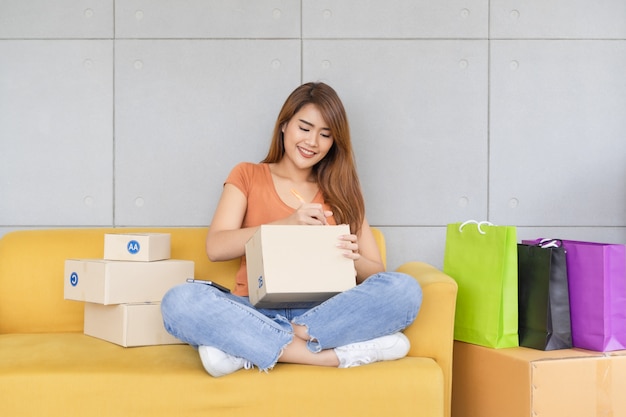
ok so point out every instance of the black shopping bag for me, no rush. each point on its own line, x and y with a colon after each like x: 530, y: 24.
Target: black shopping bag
x: 544, y: 310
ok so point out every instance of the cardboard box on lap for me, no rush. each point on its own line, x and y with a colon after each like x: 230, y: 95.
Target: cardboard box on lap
x: 128, y: 324
x: 297, y: 266
x: 523, y: 382
x: 117, y: 282
x: 143, y: 247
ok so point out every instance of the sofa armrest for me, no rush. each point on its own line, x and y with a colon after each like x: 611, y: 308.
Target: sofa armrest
x: 432, y: 333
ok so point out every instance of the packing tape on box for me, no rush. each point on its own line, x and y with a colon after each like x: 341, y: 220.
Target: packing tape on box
x: 604, y: 387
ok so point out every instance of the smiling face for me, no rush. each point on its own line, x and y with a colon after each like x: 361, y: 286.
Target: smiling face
x: 307, y: 137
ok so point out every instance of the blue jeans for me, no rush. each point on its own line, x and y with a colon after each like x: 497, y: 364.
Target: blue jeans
x: 199, y: 314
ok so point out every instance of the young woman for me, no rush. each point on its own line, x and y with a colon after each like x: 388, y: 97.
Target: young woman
x: 311, y: 152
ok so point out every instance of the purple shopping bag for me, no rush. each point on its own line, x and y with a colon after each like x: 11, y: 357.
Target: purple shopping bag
x: 597, y: 292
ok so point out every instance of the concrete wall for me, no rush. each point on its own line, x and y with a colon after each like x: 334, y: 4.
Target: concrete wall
x: 132, y: 112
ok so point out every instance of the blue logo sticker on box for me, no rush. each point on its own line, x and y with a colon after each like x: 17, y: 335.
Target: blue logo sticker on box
x: 133, y: 247
x: 74, y: 279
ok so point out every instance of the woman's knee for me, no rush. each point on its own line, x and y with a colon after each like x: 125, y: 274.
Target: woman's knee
x: 404, y: 290
x: 174, y: 297
x: 402, y: 285
x: 178, y: 304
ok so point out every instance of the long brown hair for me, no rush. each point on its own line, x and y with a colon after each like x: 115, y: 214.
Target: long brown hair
x: 336, y: 173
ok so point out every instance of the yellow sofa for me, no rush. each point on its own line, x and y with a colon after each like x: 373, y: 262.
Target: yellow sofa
x: 48, y: 367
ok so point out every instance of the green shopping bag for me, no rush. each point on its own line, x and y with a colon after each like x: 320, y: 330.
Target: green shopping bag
x: 482, y: 259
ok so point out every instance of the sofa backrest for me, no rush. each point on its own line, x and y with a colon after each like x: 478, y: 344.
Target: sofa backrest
x: 32, y: 271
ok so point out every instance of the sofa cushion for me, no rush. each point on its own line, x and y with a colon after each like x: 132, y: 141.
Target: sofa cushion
x: 81, y: 375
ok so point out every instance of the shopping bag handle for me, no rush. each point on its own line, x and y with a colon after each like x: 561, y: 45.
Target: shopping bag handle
x: 550, y: 243
x: 478, y: 225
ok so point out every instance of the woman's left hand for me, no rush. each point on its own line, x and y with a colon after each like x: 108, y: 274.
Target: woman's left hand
x: 350, y: 246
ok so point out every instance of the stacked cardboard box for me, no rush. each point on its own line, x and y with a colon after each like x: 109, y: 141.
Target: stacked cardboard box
x: 122, y: 292
x: 523, y: 382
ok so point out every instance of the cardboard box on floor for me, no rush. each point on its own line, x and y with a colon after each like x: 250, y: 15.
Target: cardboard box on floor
x: 523, y: 382
x: 117, y: 282
x: 297, y: 266
x: 128, y: 324
x: 143, y: 247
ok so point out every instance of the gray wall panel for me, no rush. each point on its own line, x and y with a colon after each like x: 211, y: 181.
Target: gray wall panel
x: 558, y: 19
x: 207, y: 19
x: 407, y: 244
x: 56, y: 132
x: 397, y: 19
x: 420, y: 136
x: 558, y: 149
x: 186, y: 113
x: 41, y: 19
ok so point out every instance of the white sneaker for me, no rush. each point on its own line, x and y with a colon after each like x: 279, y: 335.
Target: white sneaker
x: 386, y: 348
x: 219, y: 363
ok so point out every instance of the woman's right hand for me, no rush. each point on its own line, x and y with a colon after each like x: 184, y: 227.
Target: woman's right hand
x: 311, y: 214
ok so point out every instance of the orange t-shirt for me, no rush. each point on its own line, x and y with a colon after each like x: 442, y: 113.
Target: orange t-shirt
x: 264, y: 206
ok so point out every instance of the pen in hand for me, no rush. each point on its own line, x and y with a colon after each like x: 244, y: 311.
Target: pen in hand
x: 298, y: 196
